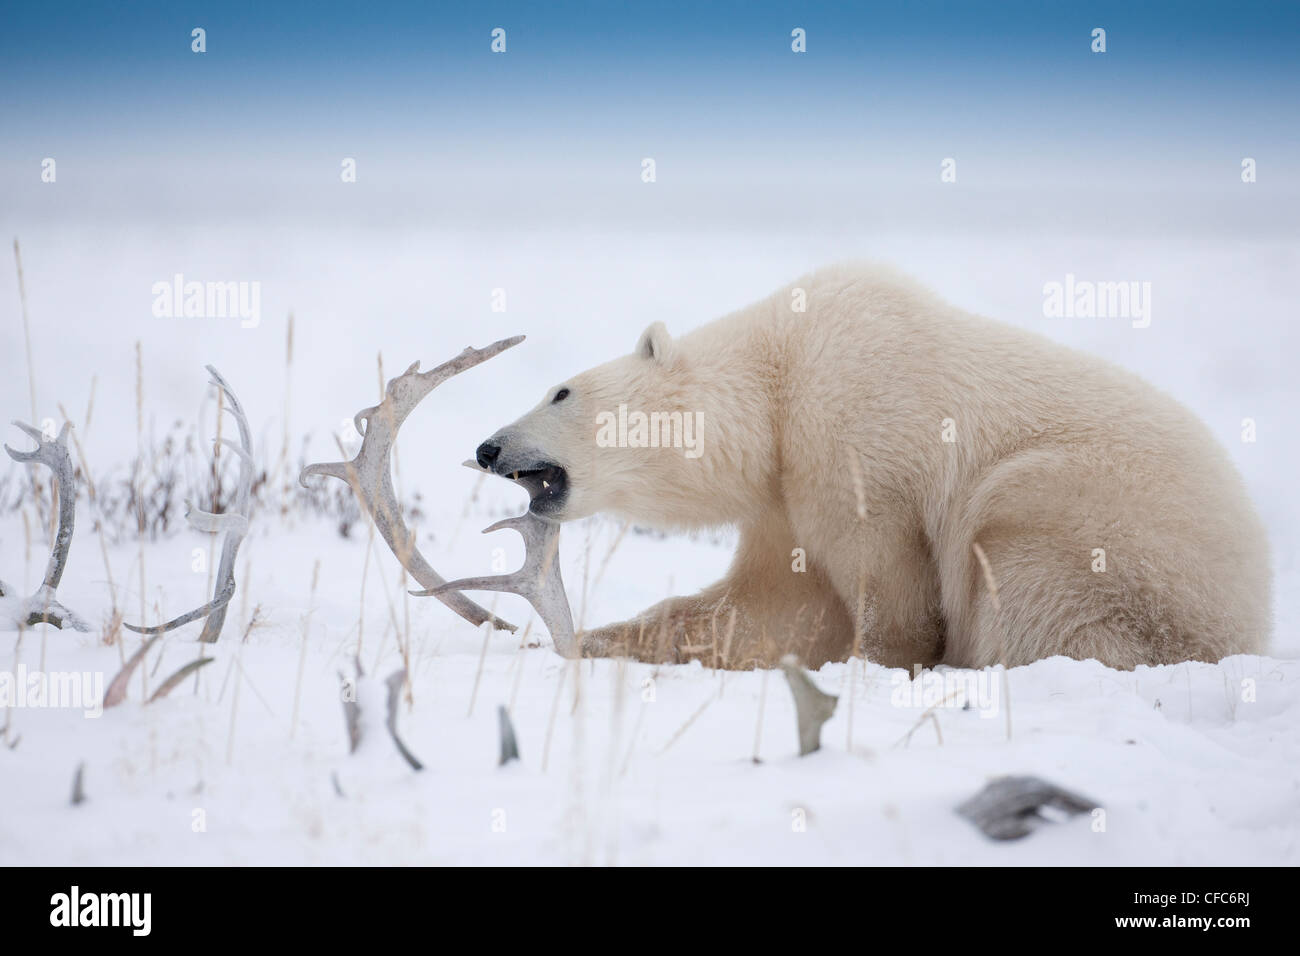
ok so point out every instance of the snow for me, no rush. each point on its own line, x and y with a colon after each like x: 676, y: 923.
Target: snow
x: 650, y: 765
x: 1190, y: 764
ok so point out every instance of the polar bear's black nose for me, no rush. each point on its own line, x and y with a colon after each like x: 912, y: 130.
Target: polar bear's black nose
x: 487, y: 454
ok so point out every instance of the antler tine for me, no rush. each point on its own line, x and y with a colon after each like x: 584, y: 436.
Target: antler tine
x: 370, y: 472
x: 46, y: 451
x: 334, y: 469
x: 236, y: 408
x: 43, y: 608
x: 233, y: 523
x: 538, y: 581
x: 53, y: 453
x: 210, y: 523
x: 217, y: 603
x: 361, y: 420
x: 467, y: 359
x: 243, y: 455
x: 234, y: 529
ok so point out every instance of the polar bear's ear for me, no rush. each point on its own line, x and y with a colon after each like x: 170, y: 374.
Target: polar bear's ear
x: 655, y: 343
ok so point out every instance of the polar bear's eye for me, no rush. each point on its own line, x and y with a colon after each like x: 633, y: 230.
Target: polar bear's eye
x: 560, y: 396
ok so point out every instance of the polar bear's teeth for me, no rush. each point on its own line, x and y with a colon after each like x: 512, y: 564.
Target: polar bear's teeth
x: 546, y: 484
x: 514, y: 476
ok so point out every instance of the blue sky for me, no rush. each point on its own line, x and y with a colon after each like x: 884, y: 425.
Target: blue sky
x: 307, y: 64
x: 412, y: 89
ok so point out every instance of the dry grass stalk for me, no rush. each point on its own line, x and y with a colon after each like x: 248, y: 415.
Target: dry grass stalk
x: 927, y: 714
x: 302, y: 656
x: 758, y: 725
x: 33, y: 474
x: 550, y: 721
x: 604, y: 564
x: 611, y: 776
x: 992, y: 585
x: 113, y: 630
x: 478, y: 673
x: 636, y: 731
x: 140, y: 518
x: 586, y: 575
x: 686, y: 726
x: 27, y: 330
x: 365, y: 573
x: 859, y: 485
x: 253, y: 621
x: 518, y: 664
x: 848, y: 690
x: 281, y: 468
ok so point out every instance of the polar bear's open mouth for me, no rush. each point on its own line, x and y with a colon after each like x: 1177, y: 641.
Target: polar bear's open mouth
x: 546, y: 485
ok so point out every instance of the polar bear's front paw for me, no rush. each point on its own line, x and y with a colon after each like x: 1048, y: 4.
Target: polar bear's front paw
x: 629, y: 639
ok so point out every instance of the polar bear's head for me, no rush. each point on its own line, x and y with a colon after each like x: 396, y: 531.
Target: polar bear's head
x: 622, y: 437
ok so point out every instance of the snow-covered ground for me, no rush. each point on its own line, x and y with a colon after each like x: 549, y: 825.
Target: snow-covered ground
x: 641, y: 765
x: 621, y: 763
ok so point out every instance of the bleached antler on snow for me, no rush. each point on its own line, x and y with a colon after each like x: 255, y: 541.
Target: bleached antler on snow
x: 234, y: 523
x: 43, y: 607
x: 538, y: 581
x: 370, y: 472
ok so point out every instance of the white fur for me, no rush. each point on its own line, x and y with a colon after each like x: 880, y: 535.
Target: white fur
x: 823, y: 430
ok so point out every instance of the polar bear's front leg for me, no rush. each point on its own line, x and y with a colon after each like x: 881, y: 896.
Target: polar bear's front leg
x: 759, y: 612
x: 667, y: 633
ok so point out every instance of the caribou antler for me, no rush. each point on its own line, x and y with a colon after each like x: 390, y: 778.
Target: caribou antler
x: 812, y: 706
x: 359, y: 722
x: 43, y: 607
x: 370, y: 472
x: 233, y: 522
x: 538, y: 581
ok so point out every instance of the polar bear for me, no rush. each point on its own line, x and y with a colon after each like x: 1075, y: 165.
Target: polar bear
x: 909, y: 482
